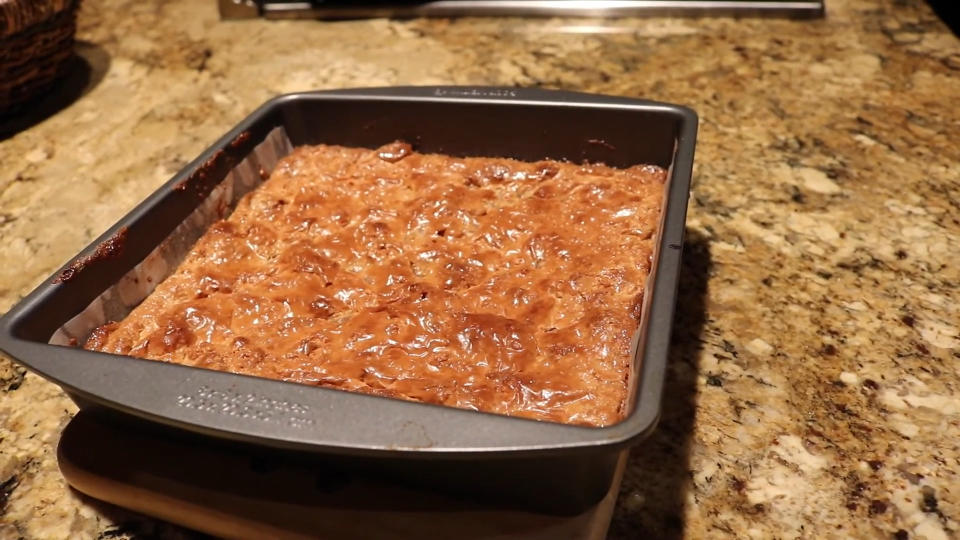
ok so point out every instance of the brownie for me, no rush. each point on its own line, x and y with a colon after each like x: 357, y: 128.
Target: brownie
x: 482, y: 283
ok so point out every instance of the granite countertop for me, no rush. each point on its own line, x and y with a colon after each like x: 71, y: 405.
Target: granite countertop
x: 814, y: 389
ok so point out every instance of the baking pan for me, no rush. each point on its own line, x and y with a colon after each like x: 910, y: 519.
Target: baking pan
x: 560, y: 466
x: 327, y: 9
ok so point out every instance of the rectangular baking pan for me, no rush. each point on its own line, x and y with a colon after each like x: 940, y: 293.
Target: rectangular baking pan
x: 561, y: 466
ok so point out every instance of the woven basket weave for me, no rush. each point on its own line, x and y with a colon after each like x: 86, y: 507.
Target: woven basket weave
x: 36, y: 40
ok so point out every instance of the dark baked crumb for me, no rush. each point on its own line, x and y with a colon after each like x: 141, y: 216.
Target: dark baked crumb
x: 394, y: 152
x: 601, y: 142
x: 243, y: 137
x: 111, y: 248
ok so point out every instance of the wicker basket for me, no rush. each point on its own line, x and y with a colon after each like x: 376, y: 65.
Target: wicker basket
x: 36, y: 40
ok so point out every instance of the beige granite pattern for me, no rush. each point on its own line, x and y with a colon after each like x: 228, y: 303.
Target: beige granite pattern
x: 814, y: 390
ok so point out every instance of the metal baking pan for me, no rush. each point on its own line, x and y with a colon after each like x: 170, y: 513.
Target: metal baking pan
x: 561, y: 466
x: 344, y: 9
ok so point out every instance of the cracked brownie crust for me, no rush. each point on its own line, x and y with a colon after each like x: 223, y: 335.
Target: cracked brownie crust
x: 482, y: 283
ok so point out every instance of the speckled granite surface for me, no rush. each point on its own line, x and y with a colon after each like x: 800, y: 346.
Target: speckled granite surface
x: 814, y: 390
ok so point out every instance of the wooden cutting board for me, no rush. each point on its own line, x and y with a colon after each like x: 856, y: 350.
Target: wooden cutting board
x: 225, y: 493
